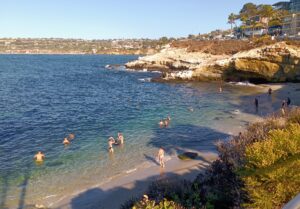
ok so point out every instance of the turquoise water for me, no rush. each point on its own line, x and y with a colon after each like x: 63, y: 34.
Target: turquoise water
x: 43, y: 98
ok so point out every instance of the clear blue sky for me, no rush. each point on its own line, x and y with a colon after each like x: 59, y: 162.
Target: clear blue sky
x: 103, y: 19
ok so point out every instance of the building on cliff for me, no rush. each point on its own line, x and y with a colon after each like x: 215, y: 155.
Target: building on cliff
x: 291, y: 22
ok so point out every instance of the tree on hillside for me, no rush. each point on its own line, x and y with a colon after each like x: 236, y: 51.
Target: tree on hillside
x: 231, y: 19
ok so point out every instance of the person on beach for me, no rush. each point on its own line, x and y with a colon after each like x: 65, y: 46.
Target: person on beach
x: 270, y: 91
x: 110, y: 142
x: 288, y: 102
x: 160, y: 156
x: 39, y: 157
x: 66, y: 141
x: 283, y: 106
x: 120, y: 138
x: 71, y: 136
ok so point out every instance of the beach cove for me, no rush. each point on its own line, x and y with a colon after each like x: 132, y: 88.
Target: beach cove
x: 57, y: 95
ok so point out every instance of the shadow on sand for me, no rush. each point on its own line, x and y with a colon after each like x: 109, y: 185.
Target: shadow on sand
x: 175, y: 139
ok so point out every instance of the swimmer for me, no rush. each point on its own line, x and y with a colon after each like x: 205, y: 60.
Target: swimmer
x: 161, y: 123
x: 66, y: 141
x: 270, y: 91
x: 110, y: 142
x: 220, y: 89
x: 161, y: 155
x: 120, y: 138
x: 169, y: 118
x: 71, y: 136
x: 39, y: 157
x: 166, y: 123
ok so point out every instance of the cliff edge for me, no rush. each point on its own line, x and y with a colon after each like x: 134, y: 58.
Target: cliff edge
x: 277, y: 62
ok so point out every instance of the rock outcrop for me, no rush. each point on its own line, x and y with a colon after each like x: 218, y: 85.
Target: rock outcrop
x: 274, y: 63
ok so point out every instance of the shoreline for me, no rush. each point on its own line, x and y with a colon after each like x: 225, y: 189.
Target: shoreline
x: 135, y: 183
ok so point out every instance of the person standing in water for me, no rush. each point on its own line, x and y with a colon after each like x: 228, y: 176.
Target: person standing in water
x: 110, y: 142
x: 270, y: 91
x: 120, y: 138
x: 160, y: 156
x: 39, y: 157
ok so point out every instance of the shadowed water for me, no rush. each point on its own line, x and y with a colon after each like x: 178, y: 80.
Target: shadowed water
x: 43, y: 98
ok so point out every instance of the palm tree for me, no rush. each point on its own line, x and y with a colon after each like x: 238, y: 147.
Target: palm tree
x: 231, y: 19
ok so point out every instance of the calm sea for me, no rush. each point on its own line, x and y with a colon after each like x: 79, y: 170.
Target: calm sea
x: 43, y: 98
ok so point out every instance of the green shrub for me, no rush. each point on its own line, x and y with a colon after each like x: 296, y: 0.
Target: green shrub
x: 273, y: 186
x: 272, y: 170
x: 279, y: 145
x: 151, y: 204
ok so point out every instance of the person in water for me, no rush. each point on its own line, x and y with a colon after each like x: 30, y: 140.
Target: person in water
x: 110, y: 142
x: 39, y: 157
x: 270, y: 91
x: 71, y: 136
x: 161, y: 123
x: 66, y: 141
x: 160, y: 156
x: 120, y: 138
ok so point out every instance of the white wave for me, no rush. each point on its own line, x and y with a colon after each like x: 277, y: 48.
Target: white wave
x: 245, y: 83
x: 236, y: 112
x: 131, y: 170
x: 145, y: 79
x: 53, y: 195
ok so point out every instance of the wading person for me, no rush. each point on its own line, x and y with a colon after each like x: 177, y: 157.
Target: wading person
x: 110, y: 142
x: 161, y: 156
x: 39, y: 157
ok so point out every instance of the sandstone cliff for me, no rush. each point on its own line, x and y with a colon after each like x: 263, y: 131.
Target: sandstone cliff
x: 278, y: 62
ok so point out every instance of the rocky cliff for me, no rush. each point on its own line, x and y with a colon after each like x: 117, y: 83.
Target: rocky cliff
x: 278, y: 62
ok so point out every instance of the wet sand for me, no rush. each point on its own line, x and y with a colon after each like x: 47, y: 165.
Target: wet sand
x: 113, y: 194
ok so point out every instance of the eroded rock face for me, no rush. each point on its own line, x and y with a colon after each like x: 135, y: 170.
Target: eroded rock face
x: 275, y: 63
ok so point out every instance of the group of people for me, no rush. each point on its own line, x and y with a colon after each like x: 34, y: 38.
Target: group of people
x: 284, y: 104
x: 112, y: 141
x: 39, y: 157
x: 164, y: 122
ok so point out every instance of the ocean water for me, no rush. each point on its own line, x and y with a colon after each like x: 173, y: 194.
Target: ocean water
x: 43, y: 98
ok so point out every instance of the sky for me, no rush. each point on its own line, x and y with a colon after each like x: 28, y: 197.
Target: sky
x: 105, y: 19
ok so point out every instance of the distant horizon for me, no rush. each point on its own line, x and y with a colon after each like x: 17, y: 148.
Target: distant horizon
x: 104, y: 20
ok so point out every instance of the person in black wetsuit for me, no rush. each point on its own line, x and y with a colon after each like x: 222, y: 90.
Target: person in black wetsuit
x: 288, y: 101
x: 256, y: 102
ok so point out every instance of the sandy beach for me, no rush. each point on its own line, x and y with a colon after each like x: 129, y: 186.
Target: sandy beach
x: 113, y: 194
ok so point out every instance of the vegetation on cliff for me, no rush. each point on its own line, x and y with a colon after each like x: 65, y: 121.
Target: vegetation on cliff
x: 257, y: 169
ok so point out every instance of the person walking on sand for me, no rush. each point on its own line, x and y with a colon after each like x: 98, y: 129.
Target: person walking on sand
x: 160, y: 156
x: 110, y: 142
x: 256, y: 102
x: 288, y: 102
x: 120, y: 138
x: 283, y: 106
x: 39, y: 157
